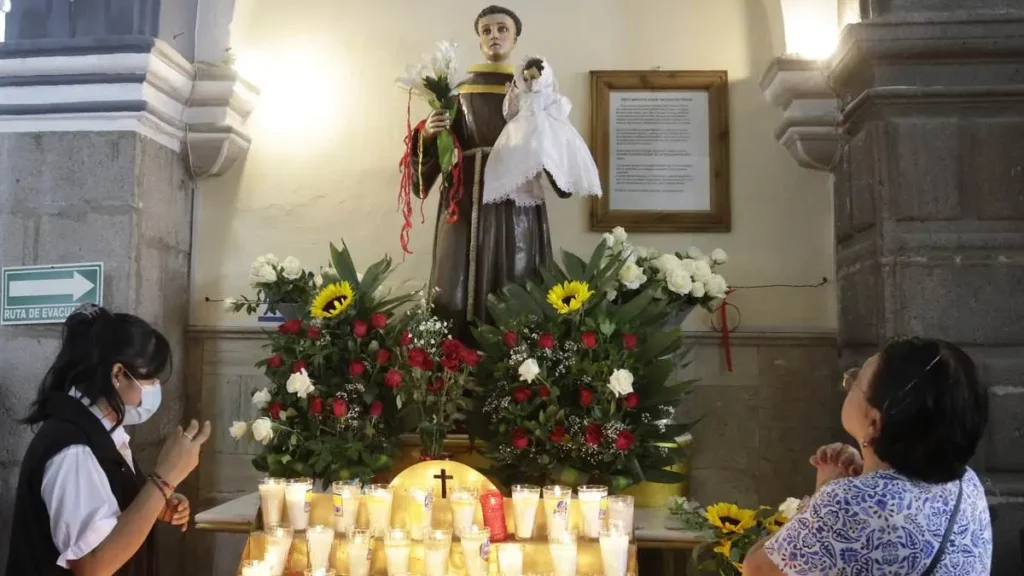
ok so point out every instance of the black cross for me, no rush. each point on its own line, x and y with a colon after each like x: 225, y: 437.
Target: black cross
x: 444, y: 477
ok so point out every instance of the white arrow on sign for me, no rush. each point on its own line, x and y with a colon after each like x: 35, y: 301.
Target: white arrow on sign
x: 76, y: 286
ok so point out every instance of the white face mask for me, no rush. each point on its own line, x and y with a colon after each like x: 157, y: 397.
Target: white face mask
x: 144, y: 411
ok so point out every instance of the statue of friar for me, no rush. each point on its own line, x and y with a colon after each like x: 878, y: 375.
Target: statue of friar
x: 488, y: 245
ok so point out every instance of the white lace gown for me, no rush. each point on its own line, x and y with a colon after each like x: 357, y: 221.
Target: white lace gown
x: 538, y: 137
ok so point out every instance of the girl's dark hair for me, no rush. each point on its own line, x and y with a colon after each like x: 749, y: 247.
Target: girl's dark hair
x: 536, y: 63
x: 934, y: 409
x: 94, y: 340
x: 494, y: 11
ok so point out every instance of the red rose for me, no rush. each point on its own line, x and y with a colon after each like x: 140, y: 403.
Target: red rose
x: 275, y: 361
x: 593, y: 434
x: 313, y: 333
x: 274, y: 410
x: 435, y: 384
x: 427, y: 365
x: 511, y: 339
x: 625, y: 440
x: 451, y: 363
x: 356, y: 368
x: 393, y: 379
x: 382, y: 357
x: 376, y: 408
x: 316, y: 405
x: 630, y: 401
x: 418, y: 357
x: 469, y: 357
x: 586, y: 397
x: 629, y: 341
x: 290, y: 328
x: 298, y: 366
x: 378, y: 321
x: 544, y: 391
x: 519, y: 439
x: 521, y: 394
x: 339, y: 407
x: 406, y: 338
x: 450, y: 347
x: 360, y: 328
x: 557, y: 434
x: 546, y: 341
x: 589, y: 340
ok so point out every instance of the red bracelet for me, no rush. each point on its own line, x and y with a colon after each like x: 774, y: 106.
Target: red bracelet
x: 166, y: 488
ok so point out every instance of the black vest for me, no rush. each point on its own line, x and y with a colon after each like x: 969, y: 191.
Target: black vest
x: 69, y: 423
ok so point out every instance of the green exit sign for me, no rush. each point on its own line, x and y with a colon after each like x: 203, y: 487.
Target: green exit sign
x: 48, y: 294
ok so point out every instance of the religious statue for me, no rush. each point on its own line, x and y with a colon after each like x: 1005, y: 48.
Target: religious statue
x: 478, y: 247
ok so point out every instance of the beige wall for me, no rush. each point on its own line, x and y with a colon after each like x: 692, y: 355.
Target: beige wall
x: 328, y: 133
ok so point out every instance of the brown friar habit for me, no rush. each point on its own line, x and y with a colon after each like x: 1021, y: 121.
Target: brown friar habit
x: 490, y: 245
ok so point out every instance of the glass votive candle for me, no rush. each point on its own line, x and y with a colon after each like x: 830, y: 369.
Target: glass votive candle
x: 591, y: 499
x: 556, y: 508
x: 476, y: 547
x: 525, y: 500
x: 420, y: 512
x: 320, y: 572
x: 437, y: 546
x: 563, y: 548
x: 397, y: 547
x: 510, y: 559
x: 319, y: 540
x: 614, y: 550
x: 278, y: 546
x: 255, y: 568
x: 346, y: 504
x: 298, y: 496
x: 620, y: 511
x: 360, y: 551
x: 463, y: 500
x: 272, y: 500
x: 378, y: 499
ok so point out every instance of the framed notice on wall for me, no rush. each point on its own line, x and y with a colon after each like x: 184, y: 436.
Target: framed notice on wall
x: 661, y: 143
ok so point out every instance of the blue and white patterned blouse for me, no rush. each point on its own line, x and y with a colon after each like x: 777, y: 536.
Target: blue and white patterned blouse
x: 885, y: 524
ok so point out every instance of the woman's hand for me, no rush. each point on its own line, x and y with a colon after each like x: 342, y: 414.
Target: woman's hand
x: 180, y: 454
x: 836, y: 461
x: 177, y: 511
x: 438, y: 121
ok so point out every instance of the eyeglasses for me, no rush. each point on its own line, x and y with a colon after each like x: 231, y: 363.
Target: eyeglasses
x: 851, y: 375
x: 849, y: 378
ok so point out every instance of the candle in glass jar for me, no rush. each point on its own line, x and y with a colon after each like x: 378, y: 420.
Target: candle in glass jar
x: 255, y: 568
x: 397, y: 547
x: 525, y: 500
x: 298, y: 495
x: 319, y: 540
x: 420, y: 511
x: 476, y: 546
x: 346, y: 504
x: 510, y: 559
x: 620, y: 511
x: 563, y: 549
x: 614, y: 550
x: 463, y: 500
x: 556, y: 509
x: 591, y: 500
x: 278, y: 545
x: 320, y: 572
x: 378, y: 508
x: 272, y: 500
x: 437, y: 546
x: 360, y: 552
x: 492, y: 504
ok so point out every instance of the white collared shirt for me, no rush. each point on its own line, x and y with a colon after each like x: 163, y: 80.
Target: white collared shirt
x: 83, y: 510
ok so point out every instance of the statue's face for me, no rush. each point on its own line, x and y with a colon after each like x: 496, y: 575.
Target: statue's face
x: 497, y: 37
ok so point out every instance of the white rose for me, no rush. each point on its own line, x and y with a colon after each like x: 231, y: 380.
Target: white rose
x: 238, y: 429
x: 666, y: 262
x: 698, y: 290
x: 631, y: 276
x: 611, y: 295
x: 701, y: 271
x: 689, y: 265
x: 261, y: 398
x: 717, y: 286
x: 645, y: 252
x: 718, y: 256
x: 229, y: 304
x: 679, y: 281
x: 608, y: 239
x: 694, y: 252
x: 262, y: 430
x: 291, y: 268
x: 270, y: 259
x: 528, y: 370
x: 318, y: 280
x: 789, y: 508
x: 619, y: 233
x: 299, y: 384
x: 262, y: 273
x: 621, y: 382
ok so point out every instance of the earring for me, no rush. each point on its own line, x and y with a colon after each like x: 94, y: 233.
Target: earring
x: 865, y: 444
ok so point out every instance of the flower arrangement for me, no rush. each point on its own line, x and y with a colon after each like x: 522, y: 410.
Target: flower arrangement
x: 684, y: 279
x: 732, y: 531
x: 328, y: 412
x: 580, y: 388
x: 277, y: 284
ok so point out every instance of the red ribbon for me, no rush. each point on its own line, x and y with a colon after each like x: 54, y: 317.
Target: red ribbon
x: 723, y: 315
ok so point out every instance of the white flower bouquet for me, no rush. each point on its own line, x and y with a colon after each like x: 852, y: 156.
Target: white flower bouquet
x: 276, y: 283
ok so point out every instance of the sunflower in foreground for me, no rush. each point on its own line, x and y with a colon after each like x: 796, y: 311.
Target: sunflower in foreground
x: 773, y: 523
x: 730, y: 518
x: 725, y: 549
x: 569, y: 296
x: 332, y: 300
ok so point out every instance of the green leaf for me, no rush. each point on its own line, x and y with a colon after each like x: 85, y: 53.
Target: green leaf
x: 629, y: 310
x: 375, y: 276
x: 446, y: 151
x: 574, y: 265
x: 343, y: 265
x: 595, y: 261
x: 524, y: 300
x: 658, y: 343
x: 661, y: 476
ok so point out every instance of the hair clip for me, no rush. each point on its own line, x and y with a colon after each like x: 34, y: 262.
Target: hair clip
x: 89, y: 309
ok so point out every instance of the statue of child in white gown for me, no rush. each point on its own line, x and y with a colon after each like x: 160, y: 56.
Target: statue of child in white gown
x: 538, y: 138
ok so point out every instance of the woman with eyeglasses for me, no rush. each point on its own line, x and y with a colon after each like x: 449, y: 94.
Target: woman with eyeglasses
x: 905, y: 503
x: 84, y: 506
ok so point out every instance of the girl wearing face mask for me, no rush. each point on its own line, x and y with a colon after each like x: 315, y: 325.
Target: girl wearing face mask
x: 84, y: 506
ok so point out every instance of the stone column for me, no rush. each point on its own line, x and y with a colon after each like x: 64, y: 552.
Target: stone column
x: 929, y: 206
x: 94, y: 112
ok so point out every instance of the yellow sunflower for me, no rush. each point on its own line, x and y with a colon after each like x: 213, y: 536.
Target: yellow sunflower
x: 332, y: 300
x: 730, y: 518
x: 725, y: 549
x: 773, y: 523
x: 569, y: 296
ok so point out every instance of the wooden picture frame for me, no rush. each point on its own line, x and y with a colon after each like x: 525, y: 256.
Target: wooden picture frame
x: 662, y: 187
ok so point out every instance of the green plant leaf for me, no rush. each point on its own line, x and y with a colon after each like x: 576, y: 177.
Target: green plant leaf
x: 661, y: 476
x: 446, y: 151
x: 343, y: 265
x: 596, y: 258
x: 574, y: 265
x: 629, y: 310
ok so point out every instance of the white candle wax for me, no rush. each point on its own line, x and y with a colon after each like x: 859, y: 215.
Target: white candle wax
x: 525, y: 501
x: 463, y: 502
x: 346, y: 506
x: 378, y: 510
x: 319, y: 540
x: 272, y: 500
x: 510, y: 559
x: 437, y: 549
x: 420, y: 512
x: 359, y: 556
x: 278, y: 545
x: 298, y: 496
x: 620, y: 512
x: 397, y: 556
x: 476, y: 551
x: 614, y: 553
x: 556, y: 507
x: 255, y: 568
x: 590, y: 500
x: 563, y: 557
